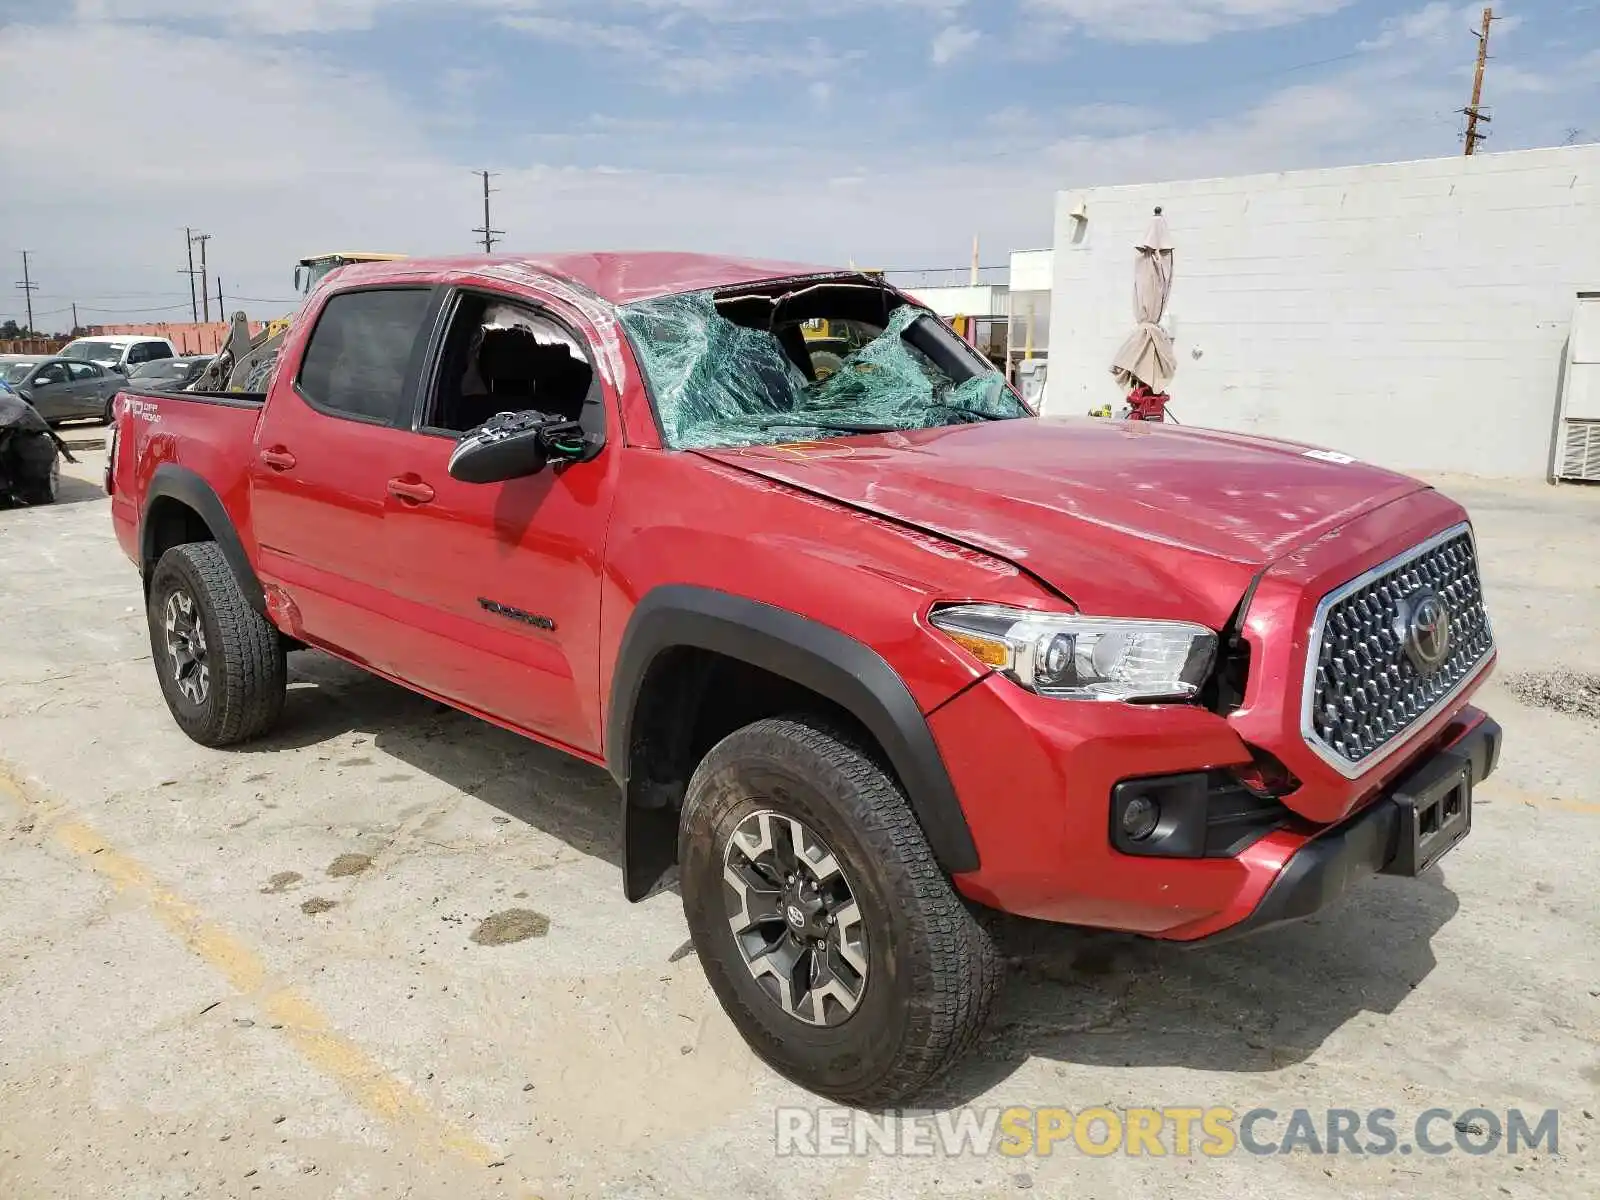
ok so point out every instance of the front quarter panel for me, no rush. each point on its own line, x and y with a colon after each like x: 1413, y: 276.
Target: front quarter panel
x: 683, y: 519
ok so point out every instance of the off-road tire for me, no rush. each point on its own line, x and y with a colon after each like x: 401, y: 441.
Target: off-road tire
x: 245, y: 653
x: 933, y: 972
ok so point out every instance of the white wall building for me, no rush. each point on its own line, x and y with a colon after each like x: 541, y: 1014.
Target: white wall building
x: 1413, y: 314
x: 964, y: 300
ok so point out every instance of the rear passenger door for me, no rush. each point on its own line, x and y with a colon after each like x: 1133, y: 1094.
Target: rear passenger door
x: 84, y: 388
x: 325, y: 453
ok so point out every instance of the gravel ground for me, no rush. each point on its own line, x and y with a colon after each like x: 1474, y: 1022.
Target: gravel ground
x: 385, y: 952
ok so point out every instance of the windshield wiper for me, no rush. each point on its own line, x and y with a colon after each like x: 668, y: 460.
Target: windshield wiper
x: 826, y: 423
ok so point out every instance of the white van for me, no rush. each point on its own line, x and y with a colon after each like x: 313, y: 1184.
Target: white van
x: 120, y: 353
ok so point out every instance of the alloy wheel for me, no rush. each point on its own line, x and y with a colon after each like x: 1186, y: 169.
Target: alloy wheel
x: 795, y: 919
x: 186, y: 646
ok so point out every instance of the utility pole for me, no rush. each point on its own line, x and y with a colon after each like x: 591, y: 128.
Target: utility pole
x: 489, y: 231
x: 205, y: 294
x: 29, y: 287
x: 221, y: 312
x: 74, y: 318
x: 1474, y: 111
x: 194, y: 299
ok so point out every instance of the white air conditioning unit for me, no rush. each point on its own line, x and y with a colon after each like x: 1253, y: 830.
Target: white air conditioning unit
x: 1577, y: 451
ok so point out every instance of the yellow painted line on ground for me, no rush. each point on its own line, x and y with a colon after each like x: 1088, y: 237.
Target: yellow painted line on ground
x: 361, y: 1077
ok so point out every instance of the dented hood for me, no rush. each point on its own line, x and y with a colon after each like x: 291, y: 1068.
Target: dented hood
x: 1123, y: 518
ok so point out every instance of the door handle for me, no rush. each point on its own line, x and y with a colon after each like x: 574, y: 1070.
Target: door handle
x: 410, y: 489
x: 278, y: 458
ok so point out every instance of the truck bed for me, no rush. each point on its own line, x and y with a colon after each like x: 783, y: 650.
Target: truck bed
x: 231, y: 399
x: 209, y: 435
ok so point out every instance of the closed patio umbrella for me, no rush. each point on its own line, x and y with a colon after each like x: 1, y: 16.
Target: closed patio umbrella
x: 1147, y: 356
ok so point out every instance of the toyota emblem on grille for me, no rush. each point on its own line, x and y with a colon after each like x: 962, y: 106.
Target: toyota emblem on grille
x: 1425, y: 631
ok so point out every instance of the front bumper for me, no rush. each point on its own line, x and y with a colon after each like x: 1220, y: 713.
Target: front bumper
x: 1036, y: 792
x: 1376, y: 841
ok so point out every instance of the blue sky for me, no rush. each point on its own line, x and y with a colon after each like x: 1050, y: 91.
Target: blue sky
x: 887, y: 131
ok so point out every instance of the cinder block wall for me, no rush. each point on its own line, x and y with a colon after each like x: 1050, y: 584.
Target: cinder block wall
x: 1412, y: 314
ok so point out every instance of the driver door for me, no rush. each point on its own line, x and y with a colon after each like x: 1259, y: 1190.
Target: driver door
x: 52, y: 392
x: 505, y: 578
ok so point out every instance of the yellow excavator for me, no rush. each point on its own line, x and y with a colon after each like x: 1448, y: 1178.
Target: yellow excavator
x: 245, y: 363
x: 316, y: 267
x: 831, y: 341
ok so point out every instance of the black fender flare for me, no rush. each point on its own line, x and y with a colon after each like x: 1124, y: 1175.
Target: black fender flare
x: 189, y: 488
x: 815, y: 656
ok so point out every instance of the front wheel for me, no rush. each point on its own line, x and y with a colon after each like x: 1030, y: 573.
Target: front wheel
x: 830, y: 935
x: 45, y: 489
x: 222, y: 664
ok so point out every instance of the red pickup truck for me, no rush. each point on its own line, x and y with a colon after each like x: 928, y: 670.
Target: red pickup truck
x: 867, y: 644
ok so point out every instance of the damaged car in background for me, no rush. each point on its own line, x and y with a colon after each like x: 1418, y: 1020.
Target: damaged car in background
x: 30, y: 453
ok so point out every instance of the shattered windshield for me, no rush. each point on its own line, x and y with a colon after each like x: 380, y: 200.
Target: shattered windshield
x: 795, y: 377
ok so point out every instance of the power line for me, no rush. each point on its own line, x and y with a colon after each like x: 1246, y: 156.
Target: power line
x: 1474, y: 111
x: 488, y: 231
x: 95, y: 308
x: 28, y: 286
x: 43, y: 295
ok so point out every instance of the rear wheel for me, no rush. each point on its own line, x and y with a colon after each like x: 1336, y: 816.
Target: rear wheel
x: 221, y: 663
x: 828, y: 932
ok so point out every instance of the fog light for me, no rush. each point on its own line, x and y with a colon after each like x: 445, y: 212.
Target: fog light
x: 1140, y: 816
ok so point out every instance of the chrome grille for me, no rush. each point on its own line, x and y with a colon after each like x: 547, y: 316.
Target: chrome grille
x: 1363, y: 690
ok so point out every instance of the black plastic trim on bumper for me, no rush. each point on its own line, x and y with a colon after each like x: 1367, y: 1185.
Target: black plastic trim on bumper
x: 1324, y: 869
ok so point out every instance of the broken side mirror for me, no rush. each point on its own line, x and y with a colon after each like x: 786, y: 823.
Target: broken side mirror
x: 514, y: 446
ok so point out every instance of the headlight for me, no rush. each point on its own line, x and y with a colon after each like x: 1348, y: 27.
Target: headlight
x: 1070, y: 657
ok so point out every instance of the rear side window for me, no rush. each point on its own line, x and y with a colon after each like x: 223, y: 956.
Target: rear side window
x: 84, y: 370
x: 156, y: 350
x: 359, y: 356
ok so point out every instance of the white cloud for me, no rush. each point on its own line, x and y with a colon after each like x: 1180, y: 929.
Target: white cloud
x: 1183, y: 21
x: 281, y: 17
x: 358, y: 164
x: 709, y: 65
x: 631, y: 40
x: 1422, y: 23
x: 953, y: 41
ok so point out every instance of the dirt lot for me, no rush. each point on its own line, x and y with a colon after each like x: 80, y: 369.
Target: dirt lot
x: 386, y: 953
